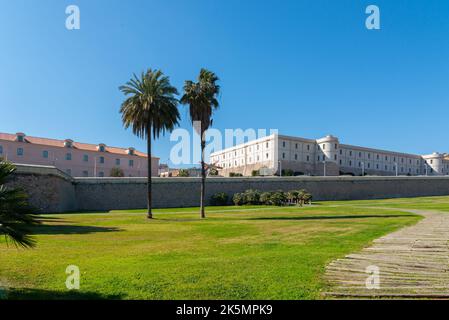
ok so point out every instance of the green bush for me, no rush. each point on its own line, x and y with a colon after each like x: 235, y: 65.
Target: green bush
x: 183, y: 173
x: 287, y: 173
x: 239, y: 199
x: 252, y: 197
x: 233, y: 174
x: 255, y: 173
x: 278, y: 198
x: 265, y: 198
x: 219, y: 199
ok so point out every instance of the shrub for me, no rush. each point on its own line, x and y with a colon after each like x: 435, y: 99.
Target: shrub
x: 183, y: 173
x: 213, y: 172
x: 252, y: 197
x: 287, y: 172
x: 265, y: 198
x: 278, y: 198
x: 117, y: 172
x: 233, y: 174
x: 239, y: 199
x: 255, y: 173
x: 219, y: 199
x: 307, y: 197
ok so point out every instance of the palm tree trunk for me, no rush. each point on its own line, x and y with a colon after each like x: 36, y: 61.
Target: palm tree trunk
x: 149, y: 191
x: 203, y: 177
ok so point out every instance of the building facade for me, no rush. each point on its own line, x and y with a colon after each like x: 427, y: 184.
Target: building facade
x: 326, y: 156
x: 75, y: 158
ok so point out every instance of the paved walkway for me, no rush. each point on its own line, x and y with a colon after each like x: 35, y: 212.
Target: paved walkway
x: 413, y: 263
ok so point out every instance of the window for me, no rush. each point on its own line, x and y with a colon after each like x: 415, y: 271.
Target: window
x: 340, y: 162
x: 283, y: 156
x: 296, y: 157
x: 296, y: 146
x: 101, y: 149
x: 350, y: 163
x: 85, y: 173
x: 360, y: 154
x: 308, y: 158
x: 68, y: 156
x: 1, y: 149
x: 131, y: 163
x: 377, y: 157
x: 431, y: 161
x: 386, y: 168
x: 350, y: 153
x: 377, y: 166
x: 20, y: 152
x: 45, y: 154
x: 318, y: 158
x: 341, y: 151
x: 20, y: 138
x: 360, y: 164
x: 308, y: 147
x: 117, y: 162
x: 267, y: 155
x: 369, y: 165
x: 369, y: 155
x: 86, y: 158
x: 101, y: 174
x: 324, y: 147
x: 268, y: 144
x: 336, y: 146
x: 386, y: 158
x: 101, y: 159
x: 283, y: 144
x: 335, y: 157
x: 69, y: 172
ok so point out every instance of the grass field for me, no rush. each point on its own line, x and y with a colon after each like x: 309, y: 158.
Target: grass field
x: 237, y: 253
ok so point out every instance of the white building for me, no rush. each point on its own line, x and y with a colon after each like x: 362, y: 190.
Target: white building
x: 325, y: 156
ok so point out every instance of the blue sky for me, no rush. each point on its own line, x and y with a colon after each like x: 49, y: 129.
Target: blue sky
x: 307, y: 68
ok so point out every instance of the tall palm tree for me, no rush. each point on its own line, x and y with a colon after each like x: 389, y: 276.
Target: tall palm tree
x: 202, y: 96
x: 151, y: 109
x: 16, y: 216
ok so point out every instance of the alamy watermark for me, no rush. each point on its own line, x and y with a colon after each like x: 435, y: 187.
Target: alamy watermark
x: 72, y: 281
x: 73, y: 20
x: 373, y: 280
x: 187, y: 150
x: 373, y: 20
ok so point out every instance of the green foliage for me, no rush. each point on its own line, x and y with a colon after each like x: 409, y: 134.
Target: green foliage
x: 252, y: 197
x: 287, y: 173
x: 234, y: 174
x: 213, y: 172
x: 278, y: 198
x: 265, y: 198
x: 16, y: 215
x: 117, y: 172
x: 219, y: 199
x: 255, y: 173
x: 239, y: 199
x: 183, y: 173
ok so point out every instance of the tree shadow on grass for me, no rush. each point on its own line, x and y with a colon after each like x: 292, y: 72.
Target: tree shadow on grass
x: 42, y: 294
x: 46, y: 229
x: 336, y: 217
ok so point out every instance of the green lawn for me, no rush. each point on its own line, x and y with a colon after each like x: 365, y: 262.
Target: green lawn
x: 237, y: 253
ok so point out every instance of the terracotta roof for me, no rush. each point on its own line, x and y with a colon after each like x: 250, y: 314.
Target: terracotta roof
x: 75, y: 145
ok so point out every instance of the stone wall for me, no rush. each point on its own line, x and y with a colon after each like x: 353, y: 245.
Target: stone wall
x: 49, y: 189
x: 52, y: 191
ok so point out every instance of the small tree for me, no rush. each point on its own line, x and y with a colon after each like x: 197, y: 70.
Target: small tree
x: 183, y: 173
x: 117, y: 173
x: 16, y: 215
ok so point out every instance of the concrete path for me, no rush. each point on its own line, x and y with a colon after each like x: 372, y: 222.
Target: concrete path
x: 412, y: 262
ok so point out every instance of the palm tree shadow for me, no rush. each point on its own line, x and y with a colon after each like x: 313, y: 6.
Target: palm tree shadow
x: 42, y: 294
x: 335, y: 217
x: 46, y: 229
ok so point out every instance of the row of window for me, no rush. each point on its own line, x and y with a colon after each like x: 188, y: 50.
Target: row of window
x: 378, y: 157
x: 296, y: 145
x: 20, y: 152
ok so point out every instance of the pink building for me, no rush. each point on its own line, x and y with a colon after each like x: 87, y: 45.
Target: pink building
x: 74, y: 158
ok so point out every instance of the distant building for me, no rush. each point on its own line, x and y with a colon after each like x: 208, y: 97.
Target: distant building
x: 325, y: 156
x: 75, y: 158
